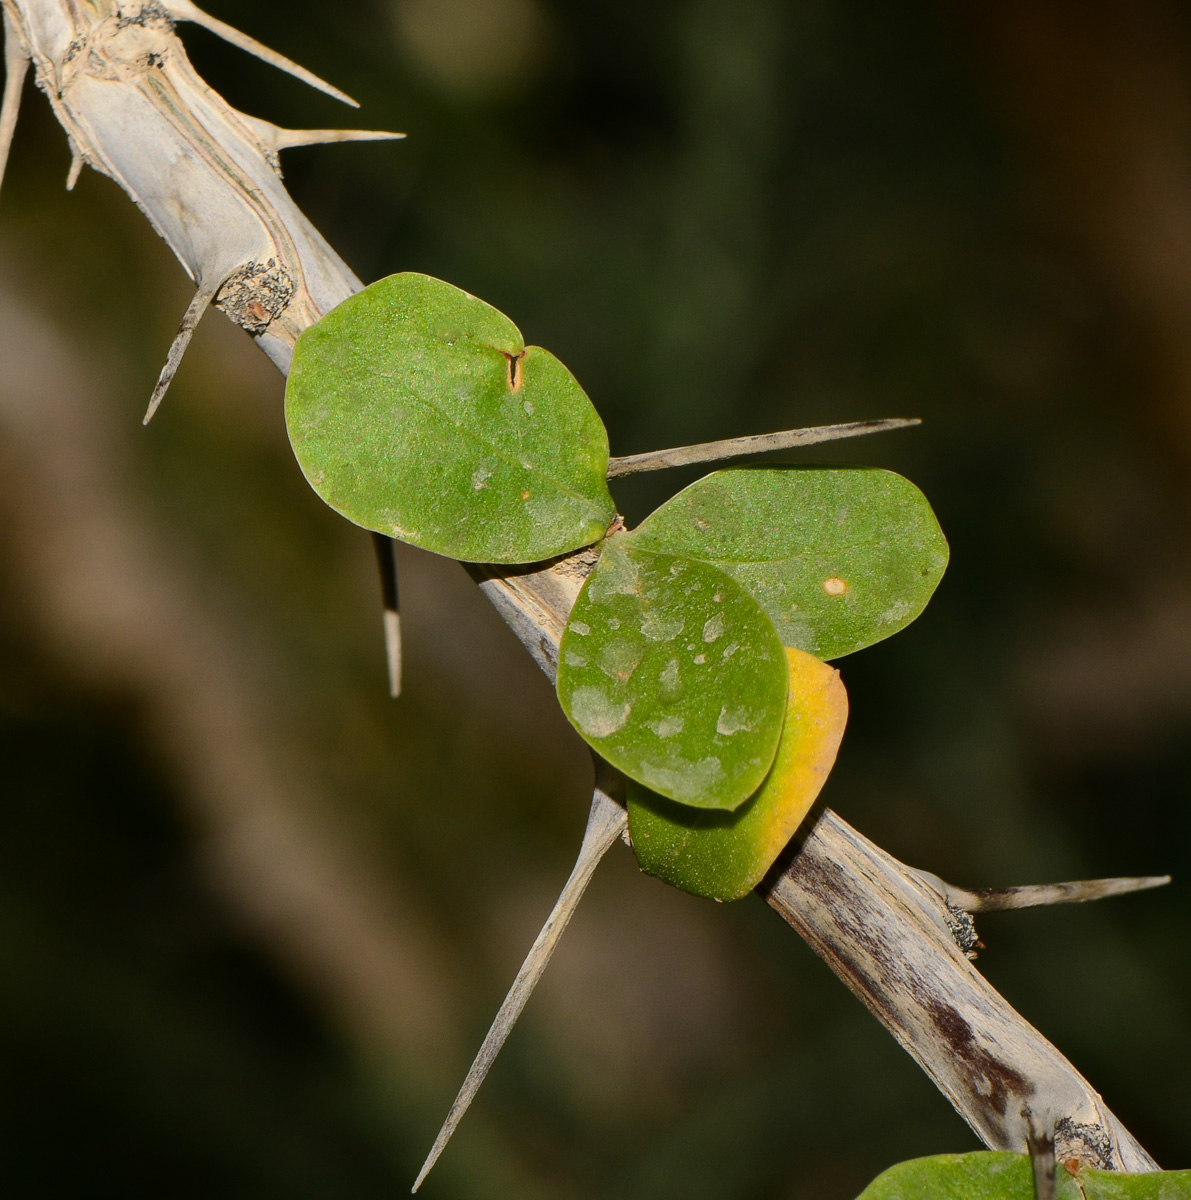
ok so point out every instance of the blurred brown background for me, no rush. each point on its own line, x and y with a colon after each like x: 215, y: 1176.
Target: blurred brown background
x: 255, y: 917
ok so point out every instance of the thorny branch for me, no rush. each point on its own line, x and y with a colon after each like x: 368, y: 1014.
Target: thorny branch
x: 208, y: 179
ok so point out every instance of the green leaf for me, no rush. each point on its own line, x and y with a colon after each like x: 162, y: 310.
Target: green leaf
x: 839, y: 557
x: 994, y: 1175
x: 724, y: 855
x: 675, y: 675
x: 416, y: 410
x: 1108, y: 1185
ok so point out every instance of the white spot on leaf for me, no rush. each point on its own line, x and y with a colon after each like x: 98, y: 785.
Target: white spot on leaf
x: 681, y: 778
x: 619, y: 658
x: 596, y: 713
x: 733, y: 720
x: 667, y: 727
x: 714, y: 628
x: 661, y: 626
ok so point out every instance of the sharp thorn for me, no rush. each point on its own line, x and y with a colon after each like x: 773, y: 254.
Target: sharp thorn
x: 983, y: 900
x: 16, y: 68
x: 194, y: 314
x: 184, y: 10
x: 273, y: 138
x: 1041, y: 1146
x: 386, y: 559
x: 604, y: 825
x: 682, y: 456
x: 289, y: 138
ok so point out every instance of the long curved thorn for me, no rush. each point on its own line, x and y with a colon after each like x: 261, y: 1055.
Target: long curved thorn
x: 605, y: 824
x: 682, y: 456
x: 194, y: 314
x: 184, y: 10
x: 16, y: 68
x: 982, y: 900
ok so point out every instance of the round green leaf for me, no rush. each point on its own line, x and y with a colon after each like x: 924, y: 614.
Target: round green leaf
x: 981, y: 1175
x: 416, y: 410
x: 675, y: 675
x: 724, y: 855
x: 839, y: 557
x: 998, y: 1175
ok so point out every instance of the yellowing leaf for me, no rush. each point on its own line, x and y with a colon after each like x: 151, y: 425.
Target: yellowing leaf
x: 724, y: 855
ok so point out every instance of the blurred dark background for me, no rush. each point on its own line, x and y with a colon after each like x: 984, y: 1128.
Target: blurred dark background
x: 255, y: 917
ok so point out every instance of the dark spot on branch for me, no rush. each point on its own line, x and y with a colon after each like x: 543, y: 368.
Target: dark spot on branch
x: 989, y: 1077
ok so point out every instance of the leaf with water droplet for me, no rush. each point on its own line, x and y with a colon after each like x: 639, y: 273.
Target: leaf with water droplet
x: 417, y: 410
x: 724, y: 855
x: 999, y: 1175
x: 674, y: 674
x: 839, y: 557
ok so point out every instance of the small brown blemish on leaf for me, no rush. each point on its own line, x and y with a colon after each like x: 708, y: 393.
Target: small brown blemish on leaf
x: 834, y: 586
x: 699, y: 522
x: 524, y: 495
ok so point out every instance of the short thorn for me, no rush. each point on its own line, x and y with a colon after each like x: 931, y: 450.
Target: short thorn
x: 194, y: 314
